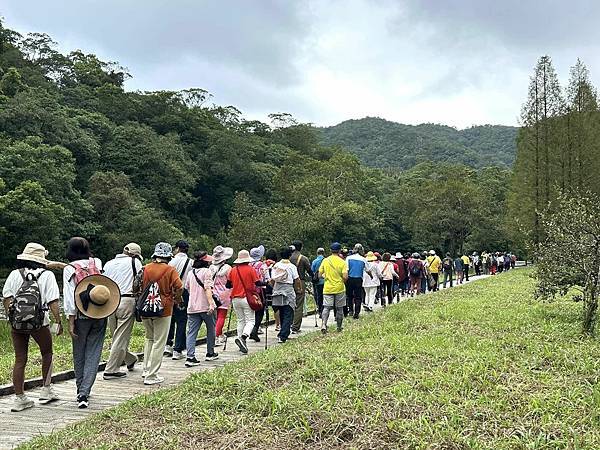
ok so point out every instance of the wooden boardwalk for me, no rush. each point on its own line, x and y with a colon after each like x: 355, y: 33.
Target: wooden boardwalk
x: 17, y: 428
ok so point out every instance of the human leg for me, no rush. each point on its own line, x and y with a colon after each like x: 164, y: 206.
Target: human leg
x: 93, y: 354
x: 194, y: 323
x: 122, y: 320
x: 21, y: 347
x: 299, y: 311
x: 209, y: 320
x: 286, y: 313
x: 160, y: 331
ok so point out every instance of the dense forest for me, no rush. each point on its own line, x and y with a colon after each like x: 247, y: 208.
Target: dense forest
x: 80, y: 155
x: 381, y: 143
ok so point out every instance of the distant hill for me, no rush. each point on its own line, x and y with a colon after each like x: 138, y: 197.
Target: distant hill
x: 381, y: 143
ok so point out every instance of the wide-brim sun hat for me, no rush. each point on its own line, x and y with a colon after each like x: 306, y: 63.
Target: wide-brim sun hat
x: 392, y: 257
x: 221, y: 254
x: 371, y: 257
x: 257, y: 253
x: 398, y: 255
x: 163, y: 250
x: 97, y: 296
x: 34, y: 252
x: 243, y: 257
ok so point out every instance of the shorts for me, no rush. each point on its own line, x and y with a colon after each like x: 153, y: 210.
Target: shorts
x: 334, y: 300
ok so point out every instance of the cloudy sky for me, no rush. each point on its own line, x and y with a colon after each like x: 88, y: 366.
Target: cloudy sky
x: 457, y: 62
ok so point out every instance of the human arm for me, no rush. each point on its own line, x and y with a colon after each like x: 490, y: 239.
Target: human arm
x: 55, y: 310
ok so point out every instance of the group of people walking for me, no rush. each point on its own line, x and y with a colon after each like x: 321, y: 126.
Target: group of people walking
x: 175, y: 293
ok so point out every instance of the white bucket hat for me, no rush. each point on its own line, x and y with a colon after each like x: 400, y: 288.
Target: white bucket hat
x: 163, y: 250
x: 243, y: 257
x: 221, y: 254
x: 34, y: 252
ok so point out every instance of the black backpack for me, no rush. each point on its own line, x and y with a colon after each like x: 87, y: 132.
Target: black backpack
x: 415, y: 269
x: 26, y: 311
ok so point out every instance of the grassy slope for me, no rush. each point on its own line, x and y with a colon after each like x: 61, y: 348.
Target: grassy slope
x: 478, y: 366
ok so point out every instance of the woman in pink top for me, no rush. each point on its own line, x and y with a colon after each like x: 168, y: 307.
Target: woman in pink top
x: 201, y: 308
x: 220, y: 271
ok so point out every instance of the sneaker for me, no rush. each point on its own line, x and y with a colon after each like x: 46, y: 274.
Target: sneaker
x: 168, y: 351
x: 144, y: 373
x: 260, y: 331
x: 177, y: 356
x: 219, y: 341
x: 113, y: 375
x: 48, y: 394
x: 255, y: 337
x: 280, y: 341
x: 131, y: 366
x: 82, y: 401
x: 277, y: 328
x: 192, y: 362
x: 21, y: 402
x: 155, y: 380
x: 339, y: 329
x: 324, y: 330
x: 241, y: 343
x: 295, y: 331
x: 211, y: 356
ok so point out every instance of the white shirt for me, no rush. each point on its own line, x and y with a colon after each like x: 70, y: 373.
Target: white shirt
x: 69, y: 285
x: 47, y: 283
x: 121, y: 272
x: 291, y: 269
x: 178, y: 262
x: 377, y: 275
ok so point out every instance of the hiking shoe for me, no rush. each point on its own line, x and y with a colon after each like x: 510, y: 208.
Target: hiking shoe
x: 241, y: 343
x: 192, y: 362
x: 168, y: 351
x: 155, y: 380
x: 113, y: 375
x: 255, y: 337
x: 48, y: 394
x: 177, y: 356
x: 82, y: 401
x: 211, y: 356
x: 21, y: 402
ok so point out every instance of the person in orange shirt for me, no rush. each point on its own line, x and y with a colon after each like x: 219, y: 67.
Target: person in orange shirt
x: 170, y: 289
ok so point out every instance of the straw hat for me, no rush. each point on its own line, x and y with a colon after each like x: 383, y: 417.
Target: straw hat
x: 221, y: 254
x: 34, y: 252
x: 97, y: 296
x: 243, y: 257
x: 371, y: 257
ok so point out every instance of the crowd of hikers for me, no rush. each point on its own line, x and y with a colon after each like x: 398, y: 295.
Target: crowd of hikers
x: 175, y: 293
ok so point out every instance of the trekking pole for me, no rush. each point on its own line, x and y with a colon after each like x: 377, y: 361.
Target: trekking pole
x: 227, y: 333
x: 266, y: 321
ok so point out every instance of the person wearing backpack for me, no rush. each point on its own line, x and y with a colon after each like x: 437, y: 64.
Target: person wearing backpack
x: 303, y: 265
x: 201, y: 308
x: 434, y: 264
x: 122, y: 270
x: 28, y: 293
x: 466, y: 265
x: 87, y: 333
x: 177, y: 330
x: 415, y: 274
x: 284, y: 275
x: 317, y: 281
x: 458, y: 267
x: 260, y: 267
x: 388, y: 274
x: 448, y: 268
x: 158, y: 289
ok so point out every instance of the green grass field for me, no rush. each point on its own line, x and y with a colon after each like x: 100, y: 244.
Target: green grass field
x: 479, y: 366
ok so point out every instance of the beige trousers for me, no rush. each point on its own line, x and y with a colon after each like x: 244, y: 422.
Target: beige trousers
x: 157, y: 329
x: 120, y: 325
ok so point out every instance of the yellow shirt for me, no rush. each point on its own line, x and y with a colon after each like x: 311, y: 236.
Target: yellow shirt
x: 333, y: 270
x: 466, y: 260
x: 435, y: 263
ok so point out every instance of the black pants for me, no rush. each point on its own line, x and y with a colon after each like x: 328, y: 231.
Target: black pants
x: 466, y: 270
x: 286, y: 316
x: 387, y: 292
x: 318, y: 293
x: 436, y: 282
x: 179, y: 321
x: 258, y: 318
x: 354, y: 295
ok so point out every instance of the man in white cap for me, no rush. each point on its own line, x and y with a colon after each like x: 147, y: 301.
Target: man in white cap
x: 122, y: 270
x: 434, y: 265
x: 177, y: 337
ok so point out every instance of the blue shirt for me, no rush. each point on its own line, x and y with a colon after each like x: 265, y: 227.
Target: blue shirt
x: 356, y: 266
x: 315, y: 266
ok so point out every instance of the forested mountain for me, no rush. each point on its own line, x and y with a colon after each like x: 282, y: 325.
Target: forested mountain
x: 381, y: 143
x: 80, y: 155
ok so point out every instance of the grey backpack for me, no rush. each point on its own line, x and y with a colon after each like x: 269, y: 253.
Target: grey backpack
x: 26, y: 312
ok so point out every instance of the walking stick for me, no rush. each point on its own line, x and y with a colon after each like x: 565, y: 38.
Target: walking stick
x: 227, y: 333
x: 266, y: 322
